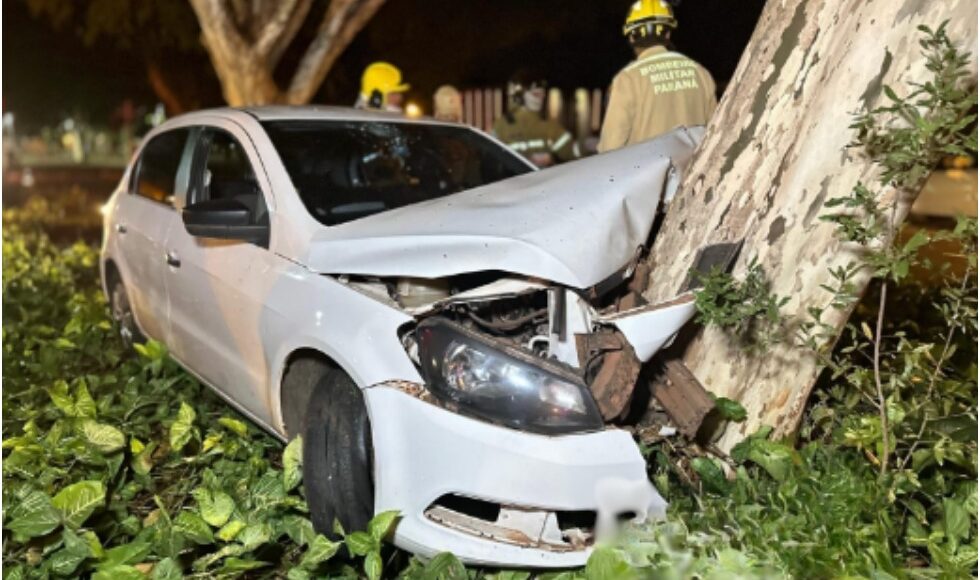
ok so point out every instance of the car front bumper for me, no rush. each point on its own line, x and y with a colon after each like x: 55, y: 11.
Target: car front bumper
x: 423, y: 452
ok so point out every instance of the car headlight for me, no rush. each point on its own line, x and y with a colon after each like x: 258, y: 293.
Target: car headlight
x: 501, y: 383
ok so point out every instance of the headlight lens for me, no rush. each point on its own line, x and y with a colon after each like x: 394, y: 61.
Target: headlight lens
x: 503, y: 384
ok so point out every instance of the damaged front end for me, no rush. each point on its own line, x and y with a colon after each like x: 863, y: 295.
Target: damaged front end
x: 526, y: 354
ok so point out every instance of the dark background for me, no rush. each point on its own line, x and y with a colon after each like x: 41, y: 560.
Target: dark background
x: 49, y: 72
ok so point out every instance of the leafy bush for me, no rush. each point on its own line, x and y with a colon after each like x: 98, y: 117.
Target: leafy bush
x: 123, y: 466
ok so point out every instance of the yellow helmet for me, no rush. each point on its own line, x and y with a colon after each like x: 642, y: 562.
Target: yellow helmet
x: 658, y: 13
x: 380, y: 79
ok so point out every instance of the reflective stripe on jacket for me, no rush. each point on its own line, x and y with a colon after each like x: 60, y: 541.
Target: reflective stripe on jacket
x: 530, y: 134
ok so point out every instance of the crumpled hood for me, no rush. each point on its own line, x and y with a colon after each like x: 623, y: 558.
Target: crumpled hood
x: 574, y: 224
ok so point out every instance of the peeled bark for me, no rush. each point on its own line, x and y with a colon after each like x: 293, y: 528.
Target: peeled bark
x: 775, y: 151
x: 246, y: 41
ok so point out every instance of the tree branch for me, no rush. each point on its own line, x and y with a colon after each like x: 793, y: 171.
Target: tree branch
x: 280, y: 28
x: 342, y: 21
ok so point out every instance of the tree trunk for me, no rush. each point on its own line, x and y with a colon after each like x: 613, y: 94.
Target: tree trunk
x: 247, y: 40
x: 775, y: 151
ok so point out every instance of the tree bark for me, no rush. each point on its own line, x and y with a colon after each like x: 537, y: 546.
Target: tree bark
x: 246, y: 41
x: 775, y: 151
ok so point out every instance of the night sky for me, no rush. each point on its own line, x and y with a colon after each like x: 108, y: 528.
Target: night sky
x: 50, y: 73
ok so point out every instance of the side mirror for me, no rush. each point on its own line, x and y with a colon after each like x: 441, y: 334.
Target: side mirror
x: 225, y: 219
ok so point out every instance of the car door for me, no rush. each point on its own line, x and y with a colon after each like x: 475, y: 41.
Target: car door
x: 143, y: 218
x: 218, y: 288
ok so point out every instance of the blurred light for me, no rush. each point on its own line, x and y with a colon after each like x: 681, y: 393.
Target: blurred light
x: 413, y: 111
x: 8, y: 121
x: 104, y: 208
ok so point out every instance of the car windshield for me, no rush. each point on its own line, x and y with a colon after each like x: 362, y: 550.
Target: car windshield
x: 344, y: 170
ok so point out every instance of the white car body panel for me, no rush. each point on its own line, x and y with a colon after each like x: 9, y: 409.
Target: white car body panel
x: 573, y: 224
x: 650, y: 328
x: 233, y: 313
x: 488, y: 462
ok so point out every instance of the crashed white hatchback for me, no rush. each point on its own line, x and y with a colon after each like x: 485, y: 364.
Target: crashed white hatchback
x: 436, y: 319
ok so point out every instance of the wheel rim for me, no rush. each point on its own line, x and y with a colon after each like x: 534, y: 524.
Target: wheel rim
x: 122, y: 314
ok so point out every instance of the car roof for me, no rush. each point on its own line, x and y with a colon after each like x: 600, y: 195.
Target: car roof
x: 312, y: 113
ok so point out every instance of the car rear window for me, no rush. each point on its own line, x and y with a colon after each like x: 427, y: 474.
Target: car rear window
x: 344, y: 170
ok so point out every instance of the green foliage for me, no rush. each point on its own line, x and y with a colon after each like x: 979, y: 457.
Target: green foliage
x: 123, y: 466
x: 745, y: 308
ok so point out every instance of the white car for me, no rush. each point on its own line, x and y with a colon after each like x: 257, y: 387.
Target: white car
x: 433, y: 316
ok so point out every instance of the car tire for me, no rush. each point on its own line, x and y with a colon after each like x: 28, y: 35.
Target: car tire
x: 122, y: 313
x: 338, y: 456
x: 302, y: 376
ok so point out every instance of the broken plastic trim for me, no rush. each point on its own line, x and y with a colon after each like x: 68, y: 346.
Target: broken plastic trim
x: 527, y: 527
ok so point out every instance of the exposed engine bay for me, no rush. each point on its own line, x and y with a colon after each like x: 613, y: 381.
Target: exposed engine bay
x: 575, y: 337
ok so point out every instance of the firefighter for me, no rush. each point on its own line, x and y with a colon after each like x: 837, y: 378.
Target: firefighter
x: 543, y: 141
x: 382, y: 88
x: 660, y: 90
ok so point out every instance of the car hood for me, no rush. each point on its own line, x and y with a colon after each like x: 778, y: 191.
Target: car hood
x: 574, y: 224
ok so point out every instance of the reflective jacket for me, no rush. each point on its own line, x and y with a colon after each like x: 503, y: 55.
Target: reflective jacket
x: 659, y: 91
x: 530, y: 134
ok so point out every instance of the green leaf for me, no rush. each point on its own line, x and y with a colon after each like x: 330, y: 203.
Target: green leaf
x: 233, y: 567
x: 298, y: 528
x: 254, y: 535
x: 297, y: 574
x: 292, y: 464
x: 956, y: 520
x: 360, y: 543
x: 444, y: 566
x: 607, y: 564
x: 84, y: 405
x: 166, y: 569
x: 77, y: 501
x: 120, y: 572
x: 321, y: 549
x: 194, y: 528
x: 730, y: 410
x: 34, y: 516
x: 65, y: 561
x: 229, y: 531
x: 234, y: 425
x: 381, y: 524
x: 105, y: 438
x: 131, y: 553
x: 216, y: 506
x: 61, y: 397
x: 182, y: 429
x: 373, y: 566
x: 711, y: 474
x: 205, y: 562
x: 918, y: 239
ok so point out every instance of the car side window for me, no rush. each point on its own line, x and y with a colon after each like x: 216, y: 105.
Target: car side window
x: 156, y: 174
x: 226, y: 173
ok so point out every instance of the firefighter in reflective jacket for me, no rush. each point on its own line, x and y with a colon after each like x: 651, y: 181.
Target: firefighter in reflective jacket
x: 543, y: 141
x: 661, y: 89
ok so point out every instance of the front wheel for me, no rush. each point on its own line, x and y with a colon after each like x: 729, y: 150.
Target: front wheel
x: 337, y: 455
x: 122, y: 314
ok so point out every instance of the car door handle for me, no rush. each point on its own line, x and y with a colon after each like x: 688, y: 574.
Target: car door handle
x: 172, y: 259
x: 121, y: 228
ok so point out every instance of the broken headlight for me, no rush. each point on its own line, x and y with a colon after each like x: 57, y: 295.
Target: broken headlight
x: 501, y: 383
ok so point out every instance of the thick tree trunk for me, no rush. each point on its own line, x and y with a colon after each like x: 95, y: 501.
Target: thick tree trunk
x: 246, y: 41
x: 775, y: 151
